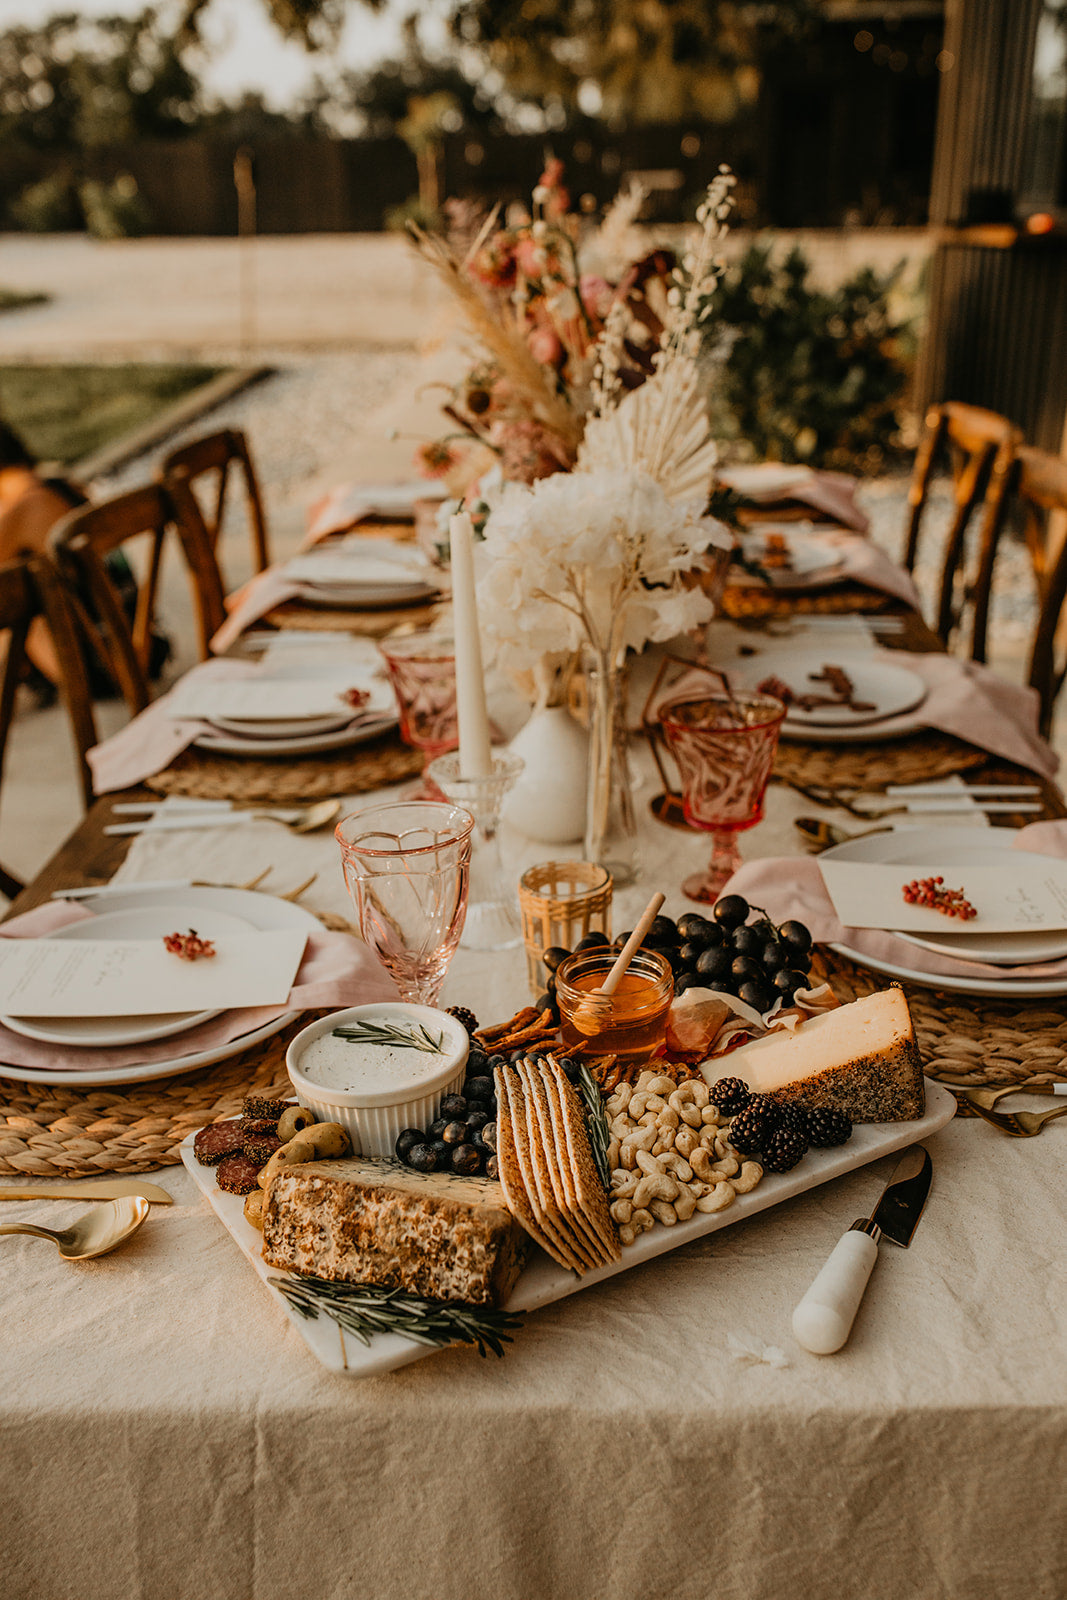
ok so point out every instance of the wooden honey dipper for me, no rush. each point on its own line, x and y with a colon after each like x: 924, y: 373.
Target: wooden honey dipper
x: 594, y: 1009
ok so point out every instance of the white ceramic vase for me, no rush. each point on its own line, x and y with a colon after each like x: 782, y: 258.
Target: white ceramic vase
x: 548, y: 801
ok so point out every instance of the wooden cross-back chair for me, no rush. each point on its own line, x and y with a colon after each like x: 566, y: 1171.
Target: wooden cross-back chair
x: 30, y: 590
x: 1035, y: 485
x: 80, y: 543
x: 207, y: 466
x: 976, y: 440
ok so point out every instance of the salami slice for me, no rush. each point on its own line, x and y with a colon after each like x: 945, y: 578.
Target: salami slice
x: 254, y: 1126
x: 237, y: 1174
x: 257, y: 1105
x: 261, y: 1146
x: 218, y: 1140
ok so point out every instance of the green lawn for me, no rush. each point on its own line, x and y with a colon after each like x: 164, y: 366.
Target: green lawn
x: 65, y: 413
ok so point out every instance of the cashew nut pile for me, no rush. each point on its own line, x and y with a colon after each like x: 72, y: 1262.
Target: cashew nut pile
x: 311, y: 1141
x: 670, y: 1155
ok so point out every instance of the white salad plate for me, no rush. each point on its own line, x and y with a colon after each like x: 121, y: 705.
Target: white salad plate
x: 959, y: 848
x: 151, y: 923
x: 366, y: 596
x: 543, y: 1281
x: 813, y: 561
x: 261, y: 728
x: 191, y: 904
x: 890, y: 689
x: 305, y: 744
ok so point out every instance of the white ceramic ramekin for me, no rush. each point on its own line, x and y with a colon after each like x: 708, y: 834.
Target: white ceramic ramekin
x: 374, y: 1119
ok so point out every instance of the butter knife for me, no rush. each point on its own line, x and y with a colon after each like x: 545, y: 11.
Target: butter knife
x: 98, y: 1188
x: 823, y: 1320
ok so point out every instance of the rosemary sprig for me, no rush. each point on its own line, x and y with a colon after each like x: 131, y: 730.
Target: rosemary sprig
x: 363, y: 1309
x: 596, y: 1123
x: 414, y: 1036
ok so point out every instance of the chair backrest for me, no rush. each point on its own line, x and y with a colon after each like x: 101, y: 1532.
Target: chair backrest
x: 30, y: 590
x: 975, y: 439
x: 209, y: 593
x: 1036, y: 483
x: 80, y: 543
x: 207, y: 465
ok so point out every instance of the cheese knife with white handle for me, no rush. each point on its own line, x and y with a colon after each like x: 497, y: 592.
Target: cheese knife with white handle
x: 823, y: 1320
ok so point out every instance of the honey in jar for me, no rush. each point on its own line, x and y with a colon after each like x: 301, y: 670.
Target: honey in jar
x: 632, y: 1022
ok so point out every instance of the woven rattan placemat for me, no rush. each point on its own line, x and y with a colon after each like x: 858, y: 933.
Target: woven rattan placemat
x: 967, y: 1039
x: 277, y: 779
x: 742, y: 602
x: 915, y: 758
x: 73, y: 1132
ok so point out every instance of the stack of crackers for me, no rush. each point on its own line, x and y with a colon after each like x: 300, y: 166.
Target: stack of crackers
x: 547, y: 1169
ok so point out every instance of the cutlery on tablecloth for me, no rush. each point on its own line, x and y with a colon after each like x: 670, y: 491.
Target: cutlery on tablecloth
x: 94, y: 891
x: 96, y: 1189
x: 1017, y: 1124
x: 299, y: 819
x: 987, y: 1098
x: 823, y: 1319
x: 103, y: 1228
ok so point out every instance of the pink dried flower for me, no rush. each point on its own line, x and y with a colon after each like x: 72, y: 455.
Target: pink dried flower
x: 436, y: 459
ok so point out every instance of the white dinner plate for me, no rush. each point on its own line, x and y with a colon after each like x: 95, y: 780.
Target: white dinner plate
x: 813, y: 561
x: 261, y: 911
x: 366, y: 596
x: 889, y: 689
x: 281, y: 728
x: 151, y: 923
x: 962, y: 848
x: 542, y: 1281
x: 230, y: 744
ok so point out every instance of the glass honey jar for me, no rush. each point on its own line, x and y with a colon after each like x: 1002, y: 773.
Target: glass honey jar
x: 632, y: 1022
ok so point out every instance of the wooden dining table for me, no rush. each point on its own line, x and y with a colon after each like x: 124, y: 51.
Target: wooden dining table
x: 165, y: 1431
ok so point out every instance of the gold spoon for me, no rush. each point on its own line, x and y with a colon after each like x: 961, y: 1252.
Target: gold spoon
x: 304, y: 819
x: 101, y: 1229
x: 594, y: 1009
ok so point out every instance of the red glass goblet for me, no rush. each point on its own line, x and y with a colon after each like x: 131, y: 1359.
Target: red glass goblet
x: 724, y: 746
x: 422, y: 671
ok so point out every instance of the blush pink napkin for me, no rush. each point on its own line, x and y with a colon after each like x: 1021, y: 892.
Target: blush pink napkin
x: 792, y: 886
x: 246, y: 605
x: 151, y: 741
x: 833, y: 494
x: 860, y: 561
x: 337, y: 970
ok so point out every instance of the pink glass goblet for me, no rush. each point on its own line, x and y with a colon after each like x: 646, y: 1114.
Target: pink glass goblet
x: 724, y: 746
x: 407, y: 869
x: 422, y: 671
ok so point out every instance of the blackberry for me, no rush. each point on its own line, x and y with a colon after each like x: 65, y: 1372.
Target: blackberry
x: 827, y: 1127
x: 463, y: 1016
x: 794, y: 1114
x: 783, y: 1150
x: 730, y: 1095
x: 752, y: 1128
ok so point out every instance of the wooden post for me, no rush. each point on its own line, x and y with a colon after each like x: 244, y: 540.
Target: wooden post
x: 244, y: 179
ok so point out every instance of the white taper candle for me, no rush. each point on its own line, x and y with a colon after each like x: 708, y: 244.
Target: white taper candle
x: 475, y: 755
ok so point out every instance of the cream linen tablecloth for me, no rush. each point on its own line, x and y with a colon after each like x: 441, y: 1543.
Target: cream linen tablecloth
x: 166, y: 1435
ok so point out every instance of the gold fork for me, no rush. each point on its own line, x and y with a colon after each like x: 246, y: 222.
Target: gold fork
x: 1019, y: 1124
x: 989, y: 1097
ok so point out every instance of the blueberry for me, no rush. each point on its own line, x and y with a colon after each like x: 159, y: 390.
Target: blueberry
x: 689, y: 952
x: 437, y: 1127
x: 664, y: 930
x: 570, y: 1068
x: 550, y: 986
x: 442, y: 1154
x: 553, y: 956
x: 476, y: 1119
x: 423, y: 1158
x: 545, y: 1005
x: 492, y: 1167
x: 467, y: 1159
x: 486, y: 1137
x: 478, y: 1090
x: 686, y: 980
x: 731, y: 911
x: 453, y: 1106
x: 496, y: 1061
x: 477, y: 1060
x: 714, y: 963
x: 406, y: 1141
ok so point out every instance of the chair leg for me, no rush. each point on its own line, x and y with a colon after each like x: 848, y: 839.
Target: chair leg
x: 10, y: 885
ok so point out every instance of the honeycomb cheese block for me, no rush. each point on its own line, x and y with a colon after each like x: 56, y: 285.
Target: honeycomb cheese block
x: 861, y: 1059
x: 364, y: 1221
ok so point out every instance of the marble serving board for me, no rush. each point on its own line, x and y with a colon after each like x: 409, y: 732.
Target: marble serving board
x: 543, y: 1281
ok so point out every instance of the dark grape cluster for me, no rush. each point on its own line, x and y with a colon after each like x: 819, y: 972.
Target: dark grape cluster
x: 462, y: 1139
x: 737, y: 950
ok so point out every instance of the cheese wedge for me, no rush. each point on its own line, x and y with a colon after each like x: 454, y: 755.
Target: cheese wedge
x: 861, y: 1059
x: 364, y: 1221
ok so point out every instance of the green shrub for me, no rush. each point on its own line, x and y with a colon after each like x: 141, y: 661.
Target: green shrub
x: 800, y: 374
x: 49, y: 206
x: 114, y: 210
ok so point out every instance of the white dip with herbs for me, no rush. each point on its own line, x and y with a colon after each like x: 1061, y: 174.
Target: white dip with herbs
x: 360, y: 1068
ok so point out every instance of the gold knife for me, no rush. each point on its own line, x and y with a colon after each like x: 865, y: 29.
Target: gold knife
x: 98, y: 1189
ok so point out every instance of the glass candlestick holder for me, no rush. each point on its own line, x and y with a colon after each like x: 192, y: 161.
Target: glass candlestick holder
x: 492, y: 907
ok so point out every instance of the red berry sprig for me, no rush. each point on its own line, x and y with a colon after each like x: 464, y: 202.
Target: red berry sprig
x: 188, y: 946
x: 931, y: 892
